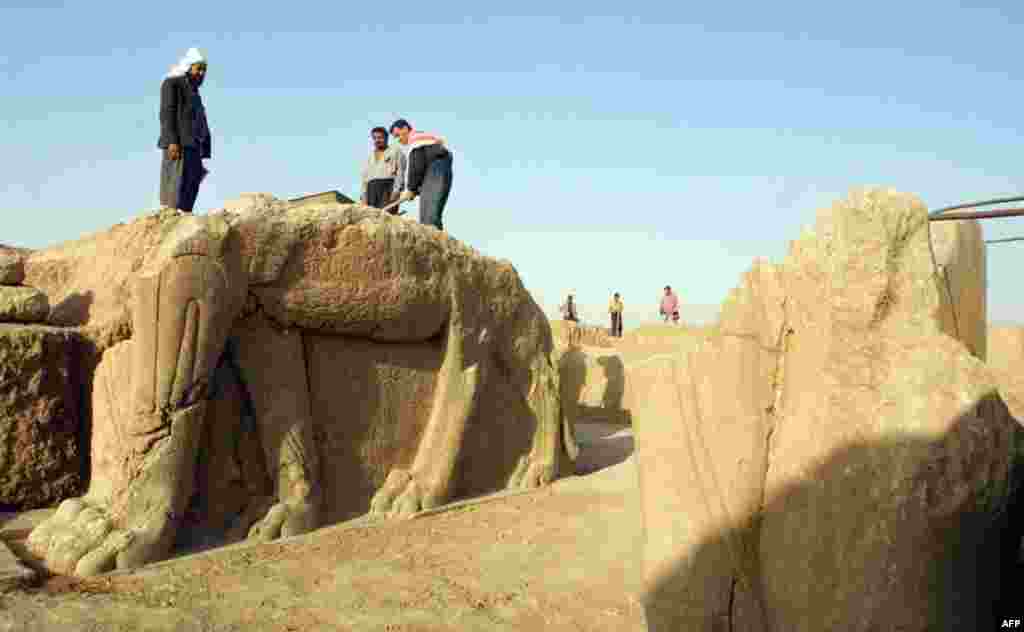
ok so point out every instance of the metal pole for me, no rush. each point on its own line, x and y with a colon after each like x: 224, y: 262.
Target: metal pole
x: 1005, y: 212
x: 1003, y: 241
x: 1015, y: 198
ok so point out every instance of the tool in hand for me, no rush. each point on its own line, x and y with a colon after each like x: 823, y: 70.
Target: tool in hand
x: 392, y: 205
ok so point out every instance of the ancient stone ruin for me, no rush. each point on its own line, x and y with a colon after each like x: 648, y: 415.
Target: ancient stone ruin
x: 18, y: 303
x: 592, y: 337
x: 40, y: 454
x: 835, y: 455
x: 842, y: 450
x: 275, y: 367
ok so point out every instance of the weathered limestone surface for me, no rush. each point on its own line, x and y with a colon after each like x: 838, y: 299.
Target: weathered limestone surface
x: 12, y: 268
x: 595, y: 337
x: 275, y: 367
x: 567, y: 332
x: 827, y: 457
x: 88, y: 285
x: 40, y: 419
x: 22, y: 305
x: 1006, y: 358
x: 959, y: 251
x: 1006, y: 348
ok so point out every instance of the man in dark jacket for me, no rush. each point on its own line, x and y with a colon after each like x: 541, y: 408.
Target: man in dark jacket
x: 428, y: 172
x: 184, y: 132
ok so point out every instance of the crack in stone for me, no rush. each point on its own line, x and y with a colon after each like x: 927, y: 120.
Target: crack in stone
x: 732, y: 605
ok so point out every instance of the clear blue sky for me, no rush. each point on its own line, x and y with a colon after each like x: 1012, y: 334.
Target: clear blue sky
x: 595, y: 150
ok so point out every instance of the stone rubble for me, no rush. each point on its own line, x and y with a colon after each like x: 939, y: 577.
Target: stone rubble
x: 18, y: 303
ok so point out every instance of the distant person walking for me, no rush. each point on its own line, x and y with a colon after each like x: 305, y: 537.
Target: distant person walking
x: 572, y: 319
x: 669, y: 309
x: 569, y: 309
x: 383, y: 174
x: 184, y: 132
x: 615, y: 309
x: 428, y: 171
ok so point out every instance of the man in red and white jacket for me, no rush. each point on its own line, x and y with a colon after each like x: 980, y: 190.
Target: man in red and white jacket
x: 428, y: 172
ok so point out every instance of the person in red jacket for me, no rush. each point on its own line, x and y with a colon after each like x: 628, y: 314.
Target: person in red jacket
x: 669, y: 306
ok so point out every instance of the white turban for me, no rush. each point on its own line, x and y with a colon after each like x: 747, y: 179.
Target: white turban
x: 192, y: 56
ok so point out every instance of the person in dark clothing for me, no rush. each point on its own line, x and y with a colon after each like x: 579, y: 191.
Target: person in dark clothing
x: 428, y: 171
x: 572, y: 320
x: 184, y: 132
x: 568, y: 309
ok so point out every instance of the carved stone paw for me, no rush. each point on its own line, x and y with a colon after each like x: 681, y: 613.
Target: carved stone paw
x: 79, y: 539
x: 133, y: 522
x: 531, y: 473
x: 403, y: 495
x: 286, y: 519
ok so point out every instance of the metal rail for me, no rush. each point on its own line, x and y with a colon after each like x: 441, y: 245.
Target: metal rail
x: 956, y: 207
x: 1004, y: 212
x: 1003, y: 241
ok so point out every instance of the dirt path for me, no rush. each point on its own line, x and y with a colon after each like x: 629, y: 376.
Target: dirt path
x: 561, y: 558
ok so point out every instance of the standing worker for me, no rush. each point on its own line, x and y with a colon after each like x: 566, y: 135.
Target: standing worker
x: 568, y: 309
x: 384, y: 172
x: 669, y: 309
x: 428, y: 171
x: 184, y: 132
x: 615, y: 309
x: 572, y: 320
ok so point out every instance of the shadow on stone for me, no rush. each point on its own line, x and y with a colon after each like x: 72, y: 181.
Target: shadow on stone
x: 7, y: 513
x: 826, y: 553
x: 74, y: 310
x: 602, y: 446
x: 572, y: 368
x: 600, y: 414
x: 615, y: 377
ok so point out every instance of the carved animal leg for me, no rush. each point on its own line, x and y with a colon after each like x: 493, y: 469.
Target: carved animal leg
x: 182, y: 306
x: 527, y: 351
x: 429, y: 481
x: 554, y: 444
x: 281, y: 400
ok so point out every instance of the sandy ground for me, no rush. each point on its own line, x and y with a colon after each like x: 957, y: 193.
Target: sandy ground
x: 559, y: 558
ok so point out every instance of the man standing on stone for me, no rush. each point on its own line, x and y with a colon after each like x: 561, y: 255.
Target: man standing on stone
x: 428, y: 171
x: 184, y: 132
x: 615, y: 309
x: 383, y: 175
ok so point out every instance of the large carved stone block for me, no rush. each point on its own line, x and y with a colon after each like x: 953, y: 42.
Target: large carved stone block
x: 831, y: 458
x: 282, y: 366
x: 41, y: 425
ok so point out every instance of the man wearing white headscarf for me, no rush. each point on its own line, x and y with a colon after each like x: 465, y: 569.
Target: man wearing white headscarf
x: 184, y: 132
